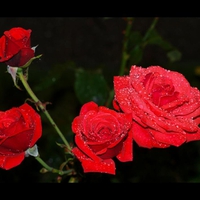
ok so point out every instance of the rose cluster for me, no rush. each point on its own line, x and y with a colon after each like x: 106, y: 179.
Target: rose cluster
x: 20, y: 127
x: 164, y: 109
x: 153, y: 107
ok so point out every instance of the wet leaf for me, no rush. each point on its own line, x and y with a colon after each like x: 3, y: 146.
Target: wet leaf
x: 136, y: 55
x: 135, y: 38
x: 90, y: 86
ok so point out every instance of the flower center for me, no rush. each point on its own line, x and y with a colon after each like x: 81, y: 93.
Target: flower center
x: 160, y: 89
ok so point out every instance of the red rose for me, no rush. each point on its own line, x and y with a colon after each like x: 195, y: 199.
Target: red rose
x: 165, y: 108
x: 15, y: 47
x: 101, y: 134
x: 20, y: 128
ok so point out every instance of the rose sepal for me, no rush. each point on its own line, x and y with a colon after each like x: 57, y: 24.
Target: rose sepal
x: 14, y: 70
x: 33, y: 151
x: 30, y: 61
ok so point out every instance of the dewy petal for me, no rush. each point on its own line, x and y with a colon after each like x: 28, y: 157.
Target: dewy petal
x: 11, y: 49
x: 88, y: 107
x: 179, y: 81
x: 17, y: 143
x: 106, y: 166
x: 122, y: 93
x: 193, y: 136
x: 171, y: 138
x: 142, y: 136
x: 174, y: 119
x: 36, y: 121
x: 89, y: 165
x: 77, y: 125
x: 126, y: 153
x: 20, y: 36
x: 2, y: 49
x: 23, y: 130
x: 191, y: 106
x: 110, y: 152
x: 85, y: 148
x: 8, y: 162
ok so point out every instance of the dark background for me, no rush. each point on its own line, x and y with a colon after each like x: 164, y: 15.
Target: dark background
x: 92, y: 43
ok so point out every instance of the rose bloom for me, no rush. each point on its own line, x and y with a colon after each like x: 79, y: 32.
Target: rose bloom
x: 165, y: 108
x: 100, y: 135
x: 20, y: 128
x: 15, y: 47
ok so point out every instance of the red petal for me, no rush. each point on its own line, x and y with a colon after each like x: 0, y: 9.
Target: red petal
x: 21, y: 58
x: 35, y: 119
x: 85, y: 148
x: 77, y: 125
x: 2, y: 49
x: 126, y: 153
x: 8, y: 162
x: 23, y: 129
x: 16, y: 144
x: 171, y: 138
x: 122, y: 93
x: 7, y: 49
x: 106, y: 166
x: 193, y: 136
x: 143, y: 137
x: 179, y: 81
x: 20, y: 36
x: 88, y: 106
x: 25, y: 55
x: 102, y: 166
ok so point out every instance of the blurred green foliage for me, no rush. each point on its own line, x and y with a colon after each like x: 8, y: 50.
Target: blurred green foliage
x: 91, y: 86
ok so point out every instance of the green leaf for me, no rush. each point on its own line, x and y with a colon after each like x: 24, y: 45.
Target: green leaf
x: 174, y: 55
x: 155, y: 38
x: 135, y: 38
x: 54, y: 76
x: 90, y: 86
x: 136, y: 55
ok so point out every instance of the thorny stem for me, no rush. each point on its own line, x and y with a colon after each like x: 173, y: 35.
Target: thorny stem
x: 51, y: 169
x: 42, y: 106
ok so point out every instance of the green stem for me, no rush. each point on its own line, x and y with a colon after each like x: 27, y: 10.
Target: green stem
x: 41, y: 105
x: 51, y: 169
x: 125, y: 56
x: 153, y: 24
